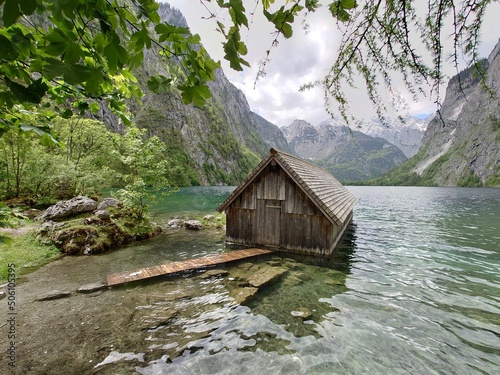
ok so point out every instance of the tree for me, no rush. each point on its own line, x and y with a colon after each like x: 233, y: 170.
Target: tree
x: 379, y: 38
x: 66, y: 56
x: 145, y: 170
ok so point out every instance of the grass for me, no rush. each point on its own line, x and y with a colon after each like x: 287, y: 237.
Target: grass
x: 25, y: 252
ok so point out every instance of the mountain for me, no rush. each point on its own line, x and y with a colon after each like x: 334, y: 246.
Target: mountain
x: 406, y: 135
x: 349, y: 154
x: 218, y: 143
x: 461, y: 145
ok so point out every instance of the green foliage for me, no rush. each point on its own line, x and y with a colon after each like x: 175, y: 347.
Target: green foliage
x: 90, y: 158
x: 63, y: 57
x: 145, y: 170
x: 26, y: 252
x: 471, y: 180
x: 494, y: 179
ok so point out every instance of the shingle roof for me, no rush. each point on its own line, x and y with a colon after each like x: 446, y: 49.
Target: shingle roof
x: 324, y: 190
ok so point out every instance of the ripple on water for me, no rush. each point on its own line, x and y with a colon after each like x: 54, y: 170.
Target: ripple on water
x: 413, y: 290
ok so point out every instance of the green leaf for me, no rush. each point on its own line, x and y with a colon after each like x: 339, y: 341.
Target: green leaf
x: 160, y: 84
x: 67, y: 114
x: 28, y: 6
x: 72, y: 73
x: 116, y: 56
x: 195, y: 94
x: 349, y: 4
x: 11, y: 12
x: 44, y: 132
x: 94, y: 82
x: 7, y: 49
x: 237, y: 12
x: 33, y: 93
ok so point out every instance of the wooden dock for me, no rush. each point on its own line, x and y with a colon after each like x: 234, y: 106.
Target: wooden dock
x: 181, y: 266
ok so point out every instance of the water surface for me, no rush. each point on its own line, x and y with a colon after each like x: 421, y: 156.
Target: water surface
x: 414, y: 288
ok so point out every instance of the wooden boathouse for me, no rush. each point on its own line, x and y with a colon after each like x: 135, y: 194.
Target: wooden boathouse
x: 288, y: 204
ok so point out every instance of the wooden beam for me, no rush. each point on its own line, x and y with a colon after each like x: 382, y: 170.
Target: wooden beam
x: 182, y: 266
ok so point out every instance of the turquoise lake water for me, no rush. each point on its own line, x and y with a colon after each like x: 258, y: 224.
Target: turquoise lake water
x: 413, y: 288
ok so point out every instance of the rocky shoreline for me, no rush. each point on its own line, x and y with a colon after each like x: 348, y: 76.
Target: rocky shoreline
x: 83, y: 226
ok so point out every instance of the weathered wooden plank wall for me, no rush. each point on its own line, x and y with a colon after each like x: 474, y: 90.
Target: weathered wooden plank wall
x: 274, y: 212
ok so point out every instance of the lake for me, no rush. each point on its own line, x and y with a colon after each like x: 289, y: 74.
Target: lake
x: 413, y: 288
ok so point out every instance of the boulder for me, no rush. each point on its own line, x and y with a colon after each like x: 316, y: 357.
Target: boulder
x: 107, y: 202
x: 91, y: 288
x: 54, y: 294
x: 193, y: 225
x: 102, y: 214
x: 174, y: 223
x: 243, y: 295
x: 71, y: 207
x: 265, y: 275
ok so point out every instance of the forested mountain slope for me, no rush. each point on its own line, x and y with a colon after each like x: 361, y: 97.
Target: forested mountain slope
x: 349, y: 154
x: 217, y: 143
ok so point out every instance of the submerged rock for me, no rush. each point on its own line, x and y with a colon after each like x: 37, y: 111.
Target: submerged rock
x: 54, y: 294
x: 212, y: 273
x: 90, y: 288
x: 71, y: 207
x: 265, y: 276
x: 302, y: 313
x: 243, y: 295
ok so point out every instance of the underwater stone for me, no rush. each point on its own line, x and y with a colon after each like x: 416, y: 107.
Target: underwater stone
x: 54, y: 294
x: 90, y: 288
x: 211, y: 273
x: 265, y: 276
x: 243, y: 295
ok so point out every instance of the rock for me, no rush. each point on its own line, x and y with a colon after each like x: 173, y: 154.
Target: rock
x: 107, y: 202
x: 64, y: 209
x: 304, y: 277
x: 265, y: 275
x: 90, y: 288
x: 212, y: 273
x: 174, y: 223
x: 193, y: 225
x: 102, y: 214
x: 243, y: 295
x: 302, y: 313
x: 246, y: 265
x: 54, y: 294
x: 32, y: 213
x: 208, y: 217
x: 292, y: 281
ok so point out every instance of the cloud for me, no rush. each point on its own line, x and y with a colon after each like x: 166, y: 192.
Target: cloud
x: 305, y: 57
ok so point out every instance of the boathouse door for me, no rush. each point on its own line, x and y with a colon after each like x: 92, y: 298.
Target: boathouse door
x: 269, y: 223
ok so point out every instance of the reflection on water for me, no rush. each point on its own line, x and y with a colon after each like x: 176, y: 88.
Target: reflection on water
x: 413, y: 289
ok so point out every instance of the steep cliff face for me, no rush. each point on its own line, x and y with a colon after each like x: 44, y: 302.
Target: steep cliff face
x: 406, y: 135
x: 462, y: 146
x: 218, y: 143
x: 350, y: 155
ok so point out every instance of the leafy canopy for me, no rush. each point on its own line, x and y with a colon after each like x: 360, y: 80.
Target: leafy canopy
x: 61, y: 57
x: 64, y: 57
x: 379, y: 38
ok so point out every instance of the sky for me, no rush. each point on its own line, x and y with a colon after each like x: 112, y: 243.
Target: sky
x: 304, y: 58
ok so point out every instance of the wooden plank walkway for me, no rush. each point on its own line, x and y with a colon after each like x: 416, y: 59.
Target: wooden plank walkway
x: 184, y: 265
